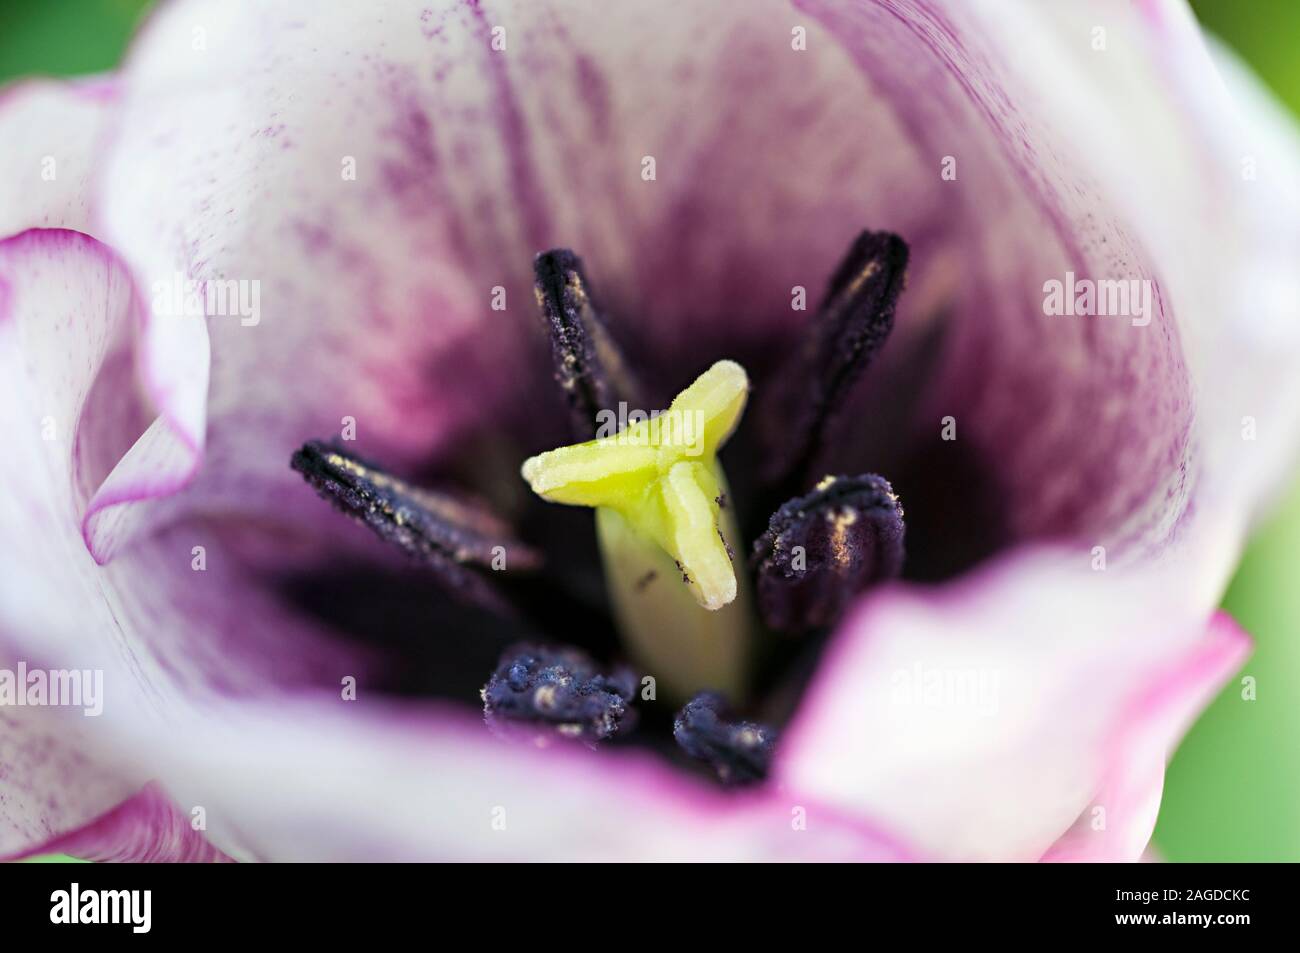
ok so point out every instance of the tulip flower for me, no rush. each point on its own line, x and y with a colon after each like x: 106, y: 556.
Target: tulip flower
x: 709, y: 473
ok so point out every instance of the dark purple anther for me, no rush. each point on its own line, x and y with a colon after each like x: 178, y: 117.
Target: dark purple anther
x: 850, y: 328
x: 455, y: 538
x: 588, y: 366
x: 739, y: 751
x: 823, y: 549
x: 541, y: 694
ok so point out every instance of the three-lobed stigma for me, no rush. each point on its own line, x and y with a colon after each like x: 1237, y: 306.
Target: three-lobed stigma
x: 659, y: 474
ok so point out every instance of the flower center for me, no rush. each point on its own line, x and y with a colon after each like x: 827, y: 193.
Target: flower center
x: 669, y: 534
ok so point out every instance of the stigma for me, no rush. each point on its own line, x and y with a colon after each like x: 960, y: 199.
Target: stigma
x: 660, y: 475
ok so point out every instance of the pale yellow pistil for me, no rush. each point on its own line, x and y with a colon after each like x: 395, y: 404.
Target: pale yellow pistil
x: 667, y: 535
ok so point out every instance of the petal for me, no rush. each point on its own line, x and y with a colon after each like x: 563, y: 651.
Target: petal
x: 52, y: 777
x: 980, y: 719
x: 1113, y: 150
x: 353, y: 306
x: 66, y: 306
x: 299, y: 780
x: 465, y: 165
x: 145, y: 828
x: 47, y: 278
x: 1118, y: 162
x: 1019, y: 385
x: 50, y: 131
x: 1208, y: 180
x: 181, y: 616
x: 70, y: 415
x: 1253, y: 352
x: 1117, y: 826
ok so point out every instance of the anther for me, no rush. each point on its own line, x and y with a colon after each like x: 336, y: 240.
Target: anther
x: 823, y: 549
x: 453, y: 537
x: 542, y: 694
x: 739, y: 751
x: 852, y: 324
x: 589, y: 368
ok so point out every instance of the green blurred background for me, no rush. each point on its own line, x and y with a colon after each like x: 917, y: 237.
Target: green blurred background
x: 1233, y: 790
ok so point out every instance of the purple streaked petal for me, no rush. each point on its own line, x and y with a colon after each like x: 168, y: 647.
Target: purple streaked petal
x: 465, y: 169
x: 53, y: 777
x: 70, y: 414
x: 1129, y: 208
x: 1204, y: 143
x: 1027, y: 206
x: 145, y: 828
x: 368, y: 309
x: 50, y: 131
x: 1020, y: 385
x: 47, y: 279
